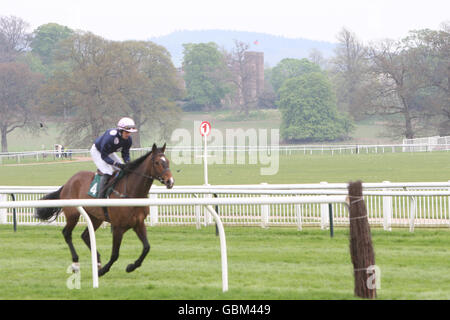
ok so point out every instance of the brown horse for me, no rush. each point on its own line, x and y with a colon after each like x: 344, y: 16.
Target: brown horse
x: 136, y: 182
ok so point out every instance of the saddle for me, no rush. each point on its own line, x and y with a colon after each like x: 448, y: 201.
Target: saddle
x: 93, y: 188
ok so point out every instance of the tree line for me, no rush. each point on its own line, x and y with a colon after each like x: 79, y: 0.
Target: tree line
x: 84, y: 80
x: 90, y: 82
x: 404, y: 83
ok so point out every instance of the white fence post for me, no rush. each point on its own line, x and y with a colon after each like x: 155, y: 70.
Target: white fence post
x: 198, y: 214
x: 412, y: 213
x: 325, y: 218
x: 3, y: 211
x: 208, y: 217
x: 264, y: 211
x: 93, y: 247
x: 387, y: 211
x: 153, y: 211
x: 223, y: 247
x: 298, y: 213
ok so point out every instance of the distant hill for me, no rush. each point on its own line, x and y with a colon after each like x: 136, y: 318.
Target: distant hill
x: 275, y: 48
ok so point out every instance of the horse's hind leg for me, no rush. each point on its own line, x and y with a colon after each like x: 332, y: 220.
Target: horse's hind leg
x: 117, y: 240
x: 72, y: 220
x: 141, y: 232
x: 86, y: 238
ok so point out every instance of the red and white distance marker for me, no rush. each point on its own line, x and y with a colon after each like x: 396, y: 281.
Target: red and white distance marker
x: 205, y: 128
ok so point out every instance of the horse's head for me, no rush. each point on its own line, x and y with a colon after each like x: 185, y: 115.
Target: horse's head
x: 161, y: 169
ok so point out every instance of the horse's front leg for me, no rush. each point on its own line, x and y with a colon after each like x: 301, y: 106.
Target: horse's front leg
x: 117, y: 240
x: 141, y: 232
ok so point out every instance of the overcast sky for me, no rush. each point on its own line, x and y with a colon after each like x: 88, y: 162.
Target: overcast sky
x: 311, y: 19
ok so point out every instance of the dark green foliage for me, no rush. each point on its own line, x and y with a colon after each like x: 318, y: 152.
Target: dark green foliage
x: 205, y: 71
x: 290, y: 68
x: 309, y: 111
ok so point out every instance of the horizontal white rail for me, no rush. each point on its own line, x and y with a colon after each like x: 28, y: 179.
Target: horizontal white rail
x: 138, y: 202
x: 269, y: 192
x: 217, y: 188
x: 287, y: 149
x: 422, y: 204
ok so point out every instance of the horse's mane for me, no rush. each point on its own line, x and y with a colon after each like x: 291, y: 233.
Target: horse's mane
x: 132, y: 165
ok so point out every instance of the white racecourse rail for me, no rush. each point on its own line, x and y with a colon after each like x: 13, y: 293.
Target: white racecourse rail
x: 406, y: 204
x: 207, y: 202
x: 415, y: 145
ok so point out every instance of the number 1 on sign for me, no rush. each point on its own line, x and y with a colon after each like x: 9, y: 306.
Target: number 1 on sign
x: 205, y: 130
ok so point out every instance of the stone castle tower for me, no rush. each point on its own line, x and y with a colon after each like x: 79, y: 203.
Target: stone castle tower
x: 254, y: 61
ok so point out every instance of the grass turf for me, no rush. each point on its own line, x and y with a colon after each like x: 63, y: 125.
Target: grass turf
x: 296, y: 168
x: 184, y: 263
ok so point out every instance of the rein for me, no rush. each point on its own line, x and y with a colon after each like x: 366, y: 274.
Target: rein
x: 151, y: 177
x: 159, y: 178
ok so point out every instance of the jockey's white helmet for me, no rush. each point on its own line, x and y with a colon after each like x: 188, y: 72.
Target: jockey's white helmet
x: 127, y: 124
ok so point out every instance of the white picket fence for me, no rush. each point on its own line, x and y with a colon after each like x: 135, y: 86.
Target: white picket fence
x: 425, y: 144
x: 388, y: 205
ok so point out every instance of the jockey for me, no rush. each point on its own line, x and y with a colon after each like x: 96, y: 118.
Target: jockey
x: 104, y: 148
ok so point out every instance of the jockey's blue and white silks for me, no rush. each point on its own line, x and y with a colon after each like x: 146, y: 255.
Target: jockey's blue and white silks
x: 104, y: 148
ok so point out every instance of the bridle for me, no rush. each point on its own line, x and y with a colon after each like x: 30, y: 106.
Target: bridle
x: 151, y: 177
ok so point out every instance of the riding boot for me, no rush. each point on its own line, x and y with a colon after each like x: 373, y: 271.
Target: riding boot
x: 102, y: 187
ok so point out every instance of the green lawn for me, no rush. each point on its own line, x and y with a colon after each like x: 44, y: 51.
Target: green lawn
x: 184, y: 263
x: 394, y: 167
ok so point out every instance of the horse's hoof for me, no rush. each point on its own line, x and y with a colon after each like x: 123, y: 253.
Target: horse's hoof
x: 131, y: 267
x: 99, y: 266
x: 75, y: 267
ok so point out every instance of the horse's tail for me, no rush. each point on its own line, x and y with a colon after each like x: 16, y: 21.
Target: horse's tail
x: 47, y: 213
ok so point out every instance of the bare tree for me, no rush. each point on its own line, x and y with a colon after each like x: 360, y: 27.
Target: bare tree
x: 109, y: 80
x: 398, y: 71
x: 14, y: 38
x: 433, y: 49
x: 316, y: 56
x: 350, y: 72
x: 241, y: 74
x: 18, y: 86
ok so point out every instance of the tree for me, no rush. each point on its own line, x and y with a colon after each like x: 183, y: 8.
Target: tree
x: 240, y: 75
x: 18, y: 86
x: 89, y: 88
x: 107, y: 80
x: 14, y: 38
x: 46, y: 38
x: 150, y: 87
x: 290, y: 68
x: 350, y: 74
x: 398, y: 70
x: 267, y: 99
x: 308, y: 107
x: 316, y: 57
x: 405, y: 81
x: 433, y: 48
x: 205, y: 75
